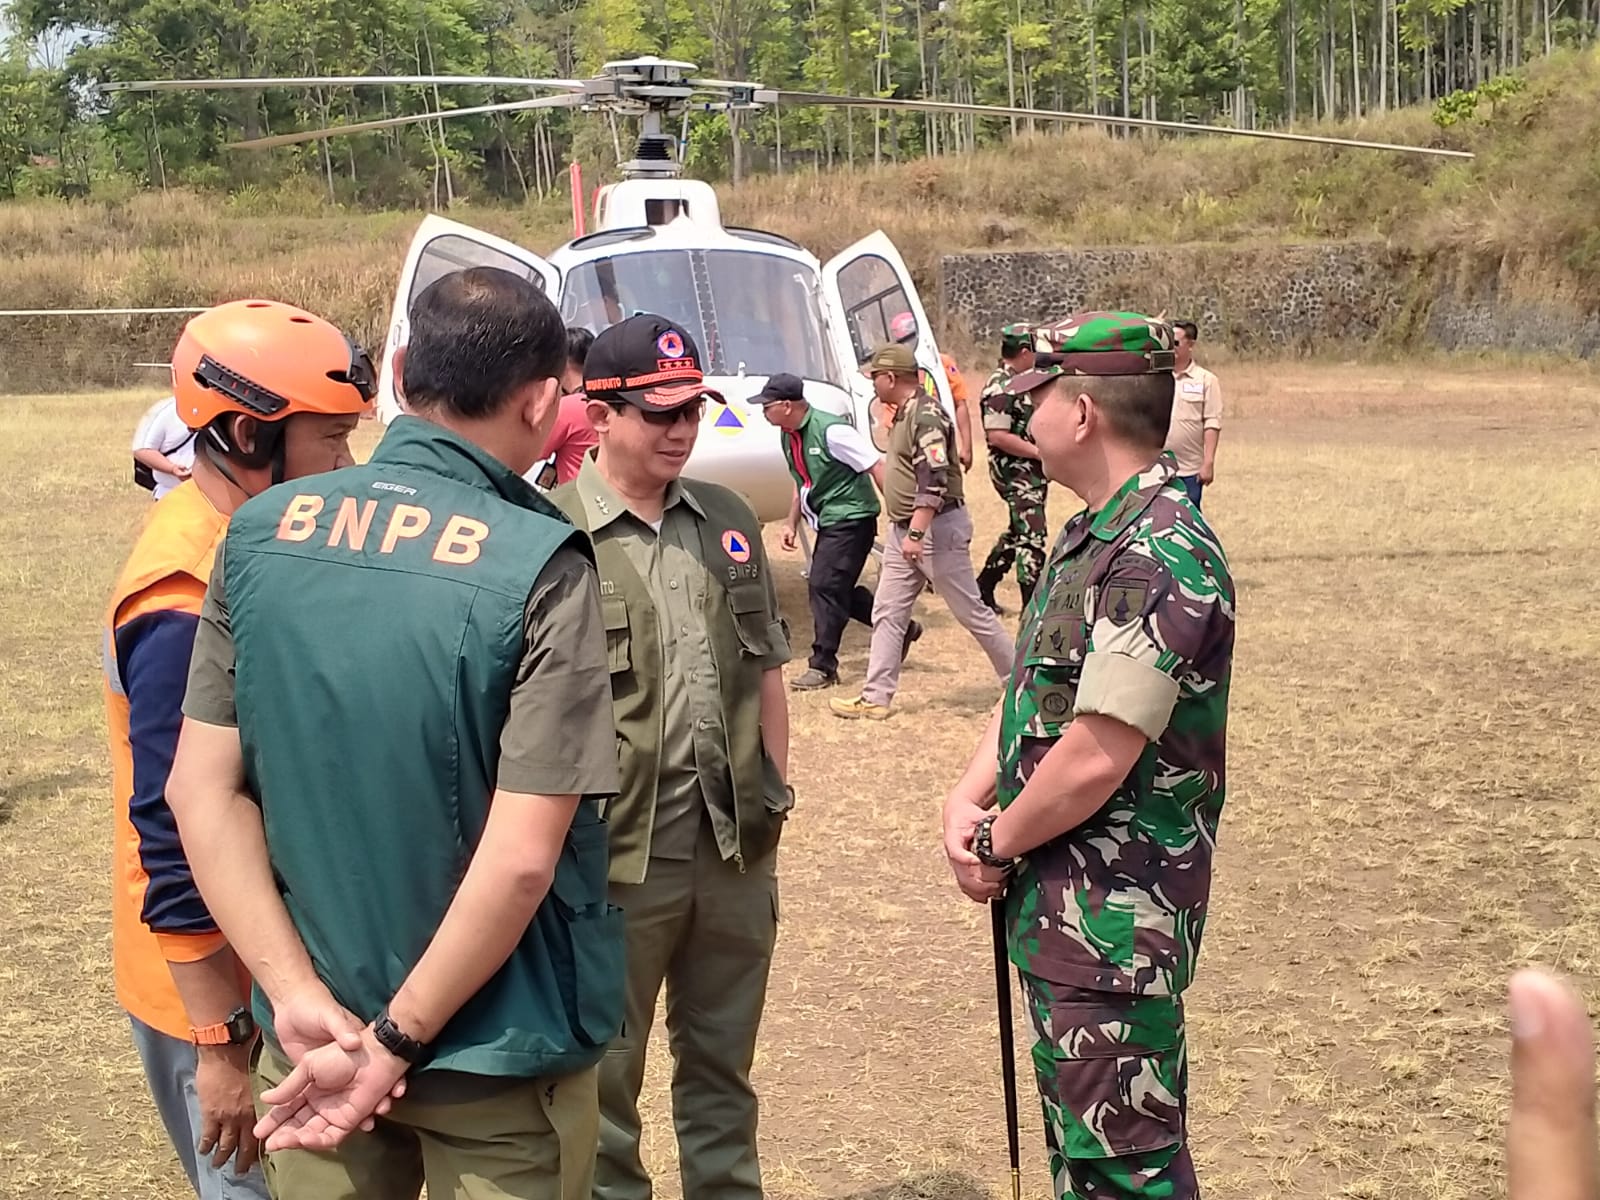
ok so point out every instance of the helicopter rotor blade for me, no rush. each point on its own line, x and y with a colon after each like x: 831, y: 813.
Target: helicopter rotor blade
x: 769, y: 96
x: 331, y: 131
x: 182, y: 85
x: 723, y: 85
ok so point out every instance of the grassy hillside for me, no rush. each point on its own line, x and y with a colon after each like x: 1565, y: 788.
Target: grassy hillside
x: 1526, y: 202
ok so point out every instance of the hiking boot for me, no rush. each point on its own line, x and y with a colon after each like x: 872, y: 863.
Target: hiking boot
x: 859, y: 708
x: 987, y: 582
x: 913, y: 632
x: 812, y: 679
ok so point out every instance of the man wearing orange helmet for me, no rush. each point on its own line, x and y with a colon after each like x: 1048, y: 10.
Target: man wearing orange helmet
x: 271, y: 393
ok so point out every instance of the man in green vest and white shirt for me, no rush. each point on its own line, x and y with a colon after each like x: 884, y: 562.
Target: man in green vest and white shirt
x: 834, y: 468
x: 397, y: 733
x: 695, y: 647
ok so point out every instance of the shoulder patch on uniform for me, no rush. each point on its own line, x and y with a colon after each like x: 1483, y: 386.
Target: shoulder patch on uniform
x: 936, y: 455
x: 737, y: 546
x: 1123, y: 601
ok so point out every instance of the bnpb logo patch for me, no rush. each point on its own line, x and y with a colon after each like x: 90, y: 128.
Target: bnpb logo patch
x: 670, y: 344
x: 735, y: 544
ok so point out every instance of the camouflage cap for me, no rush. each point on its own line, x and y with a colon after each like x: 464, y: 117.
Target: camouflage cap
x: 1017, y: 337
x: 1098, y: 343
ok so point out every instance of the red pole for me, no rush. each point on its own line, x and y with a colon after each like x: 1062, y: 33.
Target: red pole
x: 575, y: 174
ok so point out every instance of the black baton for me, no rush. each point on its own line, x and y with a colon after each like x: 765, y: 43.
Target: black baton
x: 1008, y: 1054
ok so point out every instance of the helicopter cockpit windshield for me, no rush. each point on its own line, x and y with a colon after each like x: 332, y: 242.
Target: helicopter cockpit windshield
x: 751, y: 313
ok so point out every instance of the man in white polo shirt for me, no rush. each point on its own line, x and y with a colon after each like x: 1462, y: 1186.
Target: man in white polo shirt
x: 164, y: 446
x: 1196, y: 414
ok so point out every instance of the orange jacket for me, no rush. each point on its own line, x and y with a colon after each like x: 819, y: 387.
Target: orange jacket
x: 156, y: 912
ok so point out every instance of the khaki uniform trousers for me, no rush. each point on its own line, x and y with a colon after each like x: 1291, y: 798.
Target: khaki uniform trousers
x: 947, y: 564
x: 708, y: 932
x: 469, y: 1137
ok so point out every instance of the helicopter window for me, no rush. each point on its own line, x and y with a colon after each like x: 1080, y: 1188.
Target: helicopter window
x: 766, y: 315
x: 873, y: 299
x: 449, y: 252
x: 745, y: 309
x: 600, y: 293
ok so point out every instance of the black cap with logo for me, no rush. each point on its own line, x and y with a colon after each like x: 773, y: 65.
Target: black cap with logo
x: 780, y: 387
x: 646, y: 361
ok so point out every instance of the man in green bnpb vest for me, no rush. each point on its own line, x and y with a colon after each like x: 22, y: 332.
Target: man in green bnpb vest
x: 695, y: 647
x: 397, y: 737
x: 835, y: 469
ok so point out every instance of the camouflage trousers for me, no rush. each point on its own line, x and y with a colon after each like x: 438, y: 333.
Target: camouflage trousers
x: 1023, y: 540
x: 1113, y: 1079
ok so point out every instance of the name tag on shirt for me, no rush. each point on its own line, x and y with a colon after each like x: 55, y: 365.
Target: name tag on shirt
x: 1195, y: 388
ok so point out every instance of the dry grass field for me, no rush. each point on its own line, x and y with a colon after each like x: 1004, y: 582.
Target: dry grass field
x: 1413, y: 812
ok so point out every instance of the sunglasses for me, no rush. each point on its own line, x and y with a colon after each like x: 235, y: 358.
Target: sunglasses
x: 663, y: 420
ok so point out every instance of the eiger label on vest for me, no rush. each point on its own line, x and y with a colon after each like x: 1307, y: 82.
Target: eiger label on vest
x: 382, y: 526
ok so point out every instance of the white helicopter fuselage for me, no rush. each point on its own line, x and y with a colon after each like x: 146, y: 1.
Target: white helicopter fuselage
x: 756, y: 304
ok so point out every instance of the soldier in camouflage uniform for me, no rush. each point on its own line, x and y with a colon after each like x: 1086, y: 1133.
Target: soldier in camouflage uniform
x: 1093, y: 799
x: 1015, y: 471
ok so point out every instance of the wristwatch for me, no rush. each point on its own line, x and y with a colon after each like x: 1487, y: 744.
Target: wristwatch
x: 916, y: 535
x: 983, y: 845
x: 238, y: 1029
x: 389, y: 1036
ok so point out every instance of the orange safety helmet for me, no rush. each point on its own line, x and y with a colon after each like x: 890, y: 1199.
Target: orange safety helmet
x: 267, y: 360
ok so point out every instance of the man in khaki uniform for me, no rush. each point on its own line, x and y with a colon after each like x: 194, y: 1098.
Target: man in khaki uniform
x: 695, y: 646
x: 930, y: 534
x: 1196, y: 415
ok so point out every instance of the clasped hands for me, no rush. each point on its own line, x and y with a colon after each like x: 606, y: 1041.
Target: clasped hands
x: 981, y: 883
x: 342, y: 1080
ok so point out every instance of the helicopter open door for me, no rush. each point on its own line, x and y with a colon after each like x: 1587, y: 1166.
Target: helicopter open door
x: 440, y: 247
x: 869, y: 295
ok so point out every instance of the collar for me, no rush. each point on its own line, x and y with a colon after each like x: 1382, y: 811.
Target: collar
x: 1130, y: 500
x: 905, y: 406
x: 1191, y: 369
x: 412, y: 441
x: 602, y: 505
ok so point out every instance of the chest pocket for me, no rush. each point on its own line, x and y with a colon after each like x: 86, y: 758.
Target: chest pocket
x: 748, y: 600
x: 1053, y: 666
x: 614, y: 612
x: 1056, y: 651
x: 1191, y: 398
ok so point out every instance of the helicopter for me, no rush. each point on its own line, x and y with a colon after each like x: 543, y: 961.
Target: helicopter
x: 756, y: 302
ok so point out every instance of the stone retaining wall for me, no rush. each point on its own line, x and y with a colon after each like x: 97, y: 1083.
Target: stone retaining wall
x: 1269, y: 298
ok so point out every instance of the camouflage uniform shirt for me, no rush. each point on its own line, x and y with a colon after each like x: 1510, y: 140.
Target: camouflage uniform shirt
x: 1134, y: 620
x: 1010, y: 414
x: 918, y: 471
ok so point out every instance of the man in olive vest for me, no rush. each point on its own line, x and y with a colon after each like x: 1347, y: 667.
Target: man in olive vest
x: 834, y: 468
x: 695, y: 646
x: 397, y: 735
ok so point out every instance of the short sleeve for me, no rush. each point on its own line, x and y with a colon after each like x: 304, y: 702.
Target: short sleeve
x: 847, y: 445
x: 559, y: 736
x: 996, y: 404
x: 209, y: 697
x: 1147, y: 633
x: 958, y: 382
